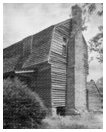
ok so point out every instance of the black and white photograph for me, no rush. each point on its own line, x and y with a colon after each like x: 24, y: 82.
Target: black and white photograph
x: 53, y: 65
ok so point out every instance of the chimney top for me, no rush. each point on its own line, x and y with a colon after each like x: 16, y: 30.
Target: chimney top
x: 76, y: 11
x: 76, y: 17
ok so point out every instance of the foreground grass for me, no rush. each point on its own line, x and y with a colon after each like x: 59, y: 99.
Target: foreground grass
x: 84, y: 121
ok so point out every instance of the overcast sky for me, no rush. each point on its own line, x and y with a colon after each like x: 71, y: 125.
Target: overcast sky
x: 22, y: 20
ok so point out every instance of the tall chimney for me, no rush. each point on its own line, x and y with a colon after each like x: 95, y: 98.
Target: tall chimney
x: 76, y: 76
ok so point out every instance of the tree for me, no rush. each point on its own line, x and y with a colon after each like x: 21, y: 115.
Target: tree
x: 96, y: 42
x: 22, y: 108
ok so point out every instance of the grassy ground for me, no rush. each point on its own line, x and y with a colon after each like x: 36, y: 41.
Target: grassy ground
x: 84, y: 121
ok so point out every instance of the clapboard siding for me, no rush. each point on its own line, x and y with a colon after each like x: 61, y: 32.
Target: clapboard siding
x: 58, y: 65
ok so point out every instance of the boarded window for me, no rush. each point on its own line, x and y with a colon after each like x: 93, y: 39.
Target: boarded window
x: 64, y: 50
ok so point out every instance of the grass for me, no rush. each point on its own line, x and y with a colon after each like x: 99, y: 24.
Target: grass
x: 84, y: 121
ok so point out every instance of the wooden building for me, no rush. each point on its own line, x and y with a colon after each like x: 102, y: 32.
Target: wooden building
x: 95, y: 96
x: 54, y: 62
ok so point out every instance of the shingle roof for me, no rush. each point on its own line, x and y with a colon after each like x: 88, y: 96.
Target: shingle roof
x: 13, y: 50
x: 41, y: 46
x: 14, y: 57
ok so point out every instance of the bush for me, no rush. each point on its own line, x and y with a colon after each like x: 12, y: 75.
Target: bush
x: 22, y: 108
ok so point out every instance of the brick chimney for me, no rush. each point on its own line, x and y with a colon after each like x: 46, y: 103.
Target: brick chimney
x: 76, y: 76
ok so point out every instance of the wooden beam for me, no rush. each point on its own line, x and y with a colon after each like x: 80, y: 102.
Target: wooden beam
x: 29, y: 71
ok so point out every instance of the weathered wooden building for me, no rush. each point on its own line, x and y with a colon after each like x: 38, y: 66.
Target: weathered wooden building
x: 95, y: 96
x: 54, y: 62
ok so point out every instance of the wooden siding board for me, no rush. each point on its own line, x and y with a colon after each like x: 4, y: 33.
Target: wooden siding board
x: 58, y: 66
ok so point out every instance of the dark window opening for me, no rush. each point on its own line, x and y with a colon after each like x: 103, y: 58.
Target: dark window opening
x: 64, y: 50
x: 61, y: 111
x: 65, y: 39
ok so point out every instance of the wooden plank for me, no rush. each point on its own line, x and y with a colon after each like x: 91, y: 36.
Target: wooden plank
x: 58, y: 68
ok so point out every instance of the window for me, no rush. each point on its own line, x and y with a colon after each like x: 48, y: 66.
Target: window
x: 65, y: 39
x: 64, y: 50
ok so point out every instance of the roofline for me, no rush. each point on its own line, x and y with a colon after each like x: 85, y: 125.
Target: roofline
x: 55, y: 25
x: 67, y: 20
x: 12, y: 44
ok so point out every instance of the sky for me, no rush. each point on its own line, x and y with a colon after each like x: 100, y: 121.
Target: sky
x: 22, y: 20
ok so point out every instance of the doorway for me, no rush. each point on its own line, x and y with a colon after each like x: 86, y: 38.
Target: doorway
x: 61, y: 111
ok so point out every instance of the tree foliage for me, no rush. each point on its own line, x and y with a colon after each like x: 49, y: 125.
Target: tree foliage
x: 96, y: 42
x: 22, y: 108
